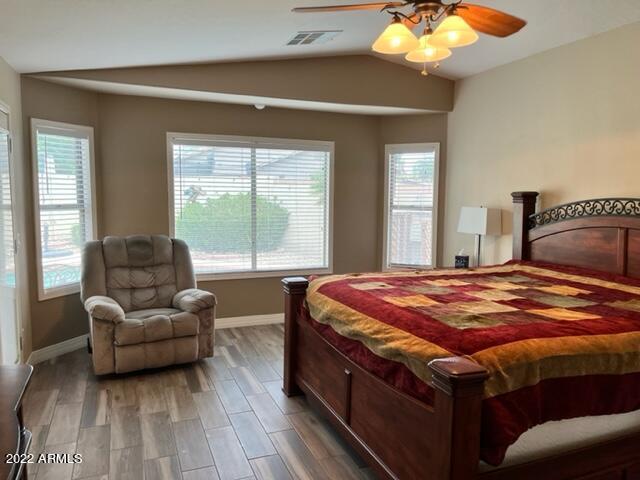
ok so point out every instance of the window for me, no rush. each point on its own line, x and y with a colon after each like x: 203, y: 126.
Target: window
x: 410, y: 205
x: 251, y: 206
x: 64, y: 202
x: 7, y: 254
x: 9, y: 294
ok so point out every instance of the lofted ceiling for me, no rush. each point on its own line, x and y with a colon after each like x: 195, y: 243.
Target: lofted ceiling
x: 49, y: 35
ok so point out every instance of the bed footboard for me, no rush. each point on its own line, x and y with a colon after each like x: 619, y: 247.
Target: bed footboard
x: 399, y: 436
x: 459, y: 384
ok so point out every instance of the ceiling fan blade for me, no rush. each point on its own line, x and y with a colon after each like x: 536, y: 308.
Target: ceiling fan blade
x: 490, y: 21
x: 343, y: 8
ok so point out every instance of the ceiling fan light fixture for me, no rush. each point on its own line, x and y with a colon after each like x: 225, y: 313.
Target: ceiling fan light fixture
x: 453, y: 32
x: 395, y: 39
x: 426, y: 52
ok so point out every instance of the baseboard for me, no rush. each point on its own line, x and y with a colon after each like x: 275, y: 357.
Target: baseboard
x: 76, y: 343
x: 249, y: 321
x: 47, y: 353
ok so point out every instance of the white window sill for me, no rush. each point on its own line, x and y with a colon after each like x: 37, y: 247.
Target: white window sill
x: 407, y: 268
x: 206, y: 277
x: 201, y: 277
x: 56, y: 292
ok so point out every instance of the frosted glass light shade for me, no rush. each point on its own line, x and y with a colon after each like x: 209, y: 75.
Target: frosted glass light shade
x: 453, y: 32
x: 395, y: 39
x: 427, y: 52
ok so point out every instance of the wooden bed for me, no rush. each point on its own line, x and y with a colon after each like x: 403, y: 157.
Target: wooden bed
x: 403, y: 438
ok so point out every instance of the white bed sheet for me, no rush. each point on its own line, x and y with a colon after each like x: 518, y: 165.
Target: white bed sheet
x: 565, y: 435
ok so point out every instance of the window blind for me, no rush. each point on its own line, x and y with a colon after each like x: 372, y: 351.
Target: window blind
x: 411, y: 188
x: 251, y: 206
x: 64, y: 202
x: 7, y: 260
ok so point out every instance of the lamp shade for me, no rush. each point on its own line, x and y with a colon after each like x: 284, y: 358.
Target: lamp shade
x: 427, y: 52
x: 480, y: 221
x: 453, y: 32
x: 396, y: 38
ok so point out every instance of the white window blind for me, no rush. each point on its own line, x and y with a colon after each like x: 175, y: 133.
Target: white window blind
x: 9, y: 324
x: 252, y: 205
x: 65, y: 206
x: 411, y: 197
x: 7, y: 259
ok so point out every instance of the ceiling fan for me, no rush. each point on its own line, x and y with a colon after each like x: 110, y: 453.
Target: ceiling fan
x: 457, y: 23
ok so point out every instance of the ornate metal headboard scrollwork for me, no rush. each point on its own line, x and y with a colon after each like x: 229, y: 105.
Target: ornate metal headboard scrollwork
x: 597, y: 207
x: 601, y: 234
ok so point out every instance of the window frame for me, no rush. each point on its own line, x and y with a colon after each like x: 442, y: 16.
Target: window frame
x: 81, y: 131
x: 389, y: 150
x: 261, y: 142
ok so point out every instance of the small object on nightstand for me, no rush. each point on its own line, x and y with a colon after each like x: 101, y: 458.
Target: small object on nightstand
x: 462, y: 260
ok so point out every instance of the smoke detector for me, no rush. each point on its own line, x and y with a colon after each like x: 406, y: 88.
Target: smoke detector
x: 315, y: 37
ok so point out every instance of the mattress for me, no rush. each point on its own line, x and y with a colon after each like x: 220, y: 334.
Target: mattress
x: 561, y: 436
x: 558, y: 342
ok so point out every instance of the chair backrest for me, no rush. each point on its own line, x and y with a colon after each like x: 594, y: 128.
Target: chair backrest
x: 138, y: 272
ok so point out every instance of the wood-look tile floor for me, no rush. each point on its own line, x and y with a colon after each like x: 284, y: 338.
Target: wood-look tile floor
x: 220, y: 418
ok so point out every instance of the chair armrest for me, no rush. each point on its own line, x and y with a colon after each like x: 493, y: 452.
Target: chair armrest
x: 104, y: 308
x: 193, y: 300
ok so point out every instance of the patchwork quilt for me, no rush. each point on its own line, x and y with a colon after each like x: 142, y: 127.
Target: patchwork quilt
x: 558, y: 342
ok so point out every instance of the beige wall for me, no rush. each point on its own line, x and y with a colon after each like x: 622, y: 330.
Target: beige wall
x: 59, y: 318
x: 565, y: 122
x: 10, y: 96
x: 134, y: 177
x: 131, y: 172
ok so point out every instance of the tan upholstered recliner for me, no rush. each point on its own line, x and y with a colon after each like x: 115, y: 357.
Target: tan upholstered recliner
x: 144, y: 308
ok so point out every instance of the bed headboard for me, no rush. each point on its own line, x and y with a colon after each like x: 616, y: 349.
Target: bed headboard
x: 601, y: 234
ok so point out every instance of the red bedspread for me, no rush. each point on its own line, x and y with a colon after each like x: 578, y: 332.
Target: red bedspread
x: 558, y: 342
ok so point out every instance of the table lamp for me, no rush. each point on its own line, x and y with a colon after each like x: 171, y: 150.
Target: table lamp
x: 480, y: 221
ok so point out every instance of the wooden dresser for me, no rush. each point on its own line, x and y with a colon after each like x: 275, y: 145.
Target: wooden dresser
x: 14, y: 437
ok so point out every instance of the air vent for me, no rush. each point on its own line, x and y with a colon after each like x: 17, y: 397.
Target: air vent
x: 313, y: 36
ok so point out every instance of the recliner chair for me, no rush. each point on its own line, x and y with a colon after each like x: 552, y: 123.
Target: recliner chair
x: 144, y: 308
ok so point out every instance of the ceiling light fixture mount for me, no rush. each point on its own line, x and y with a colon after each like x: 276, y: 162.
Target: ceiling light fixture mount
x: 457, y: 23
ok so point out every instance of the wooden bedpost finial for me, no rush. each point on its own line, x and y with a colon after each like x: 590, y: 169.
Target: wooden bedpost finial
x: 524, y: 197
x: 524, y: 205
x: 458, y: 376
x: 295, y: 285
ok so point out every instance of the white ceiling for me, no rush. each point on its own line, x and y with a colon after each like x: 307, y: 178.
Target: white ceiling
x: 48, y: 35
